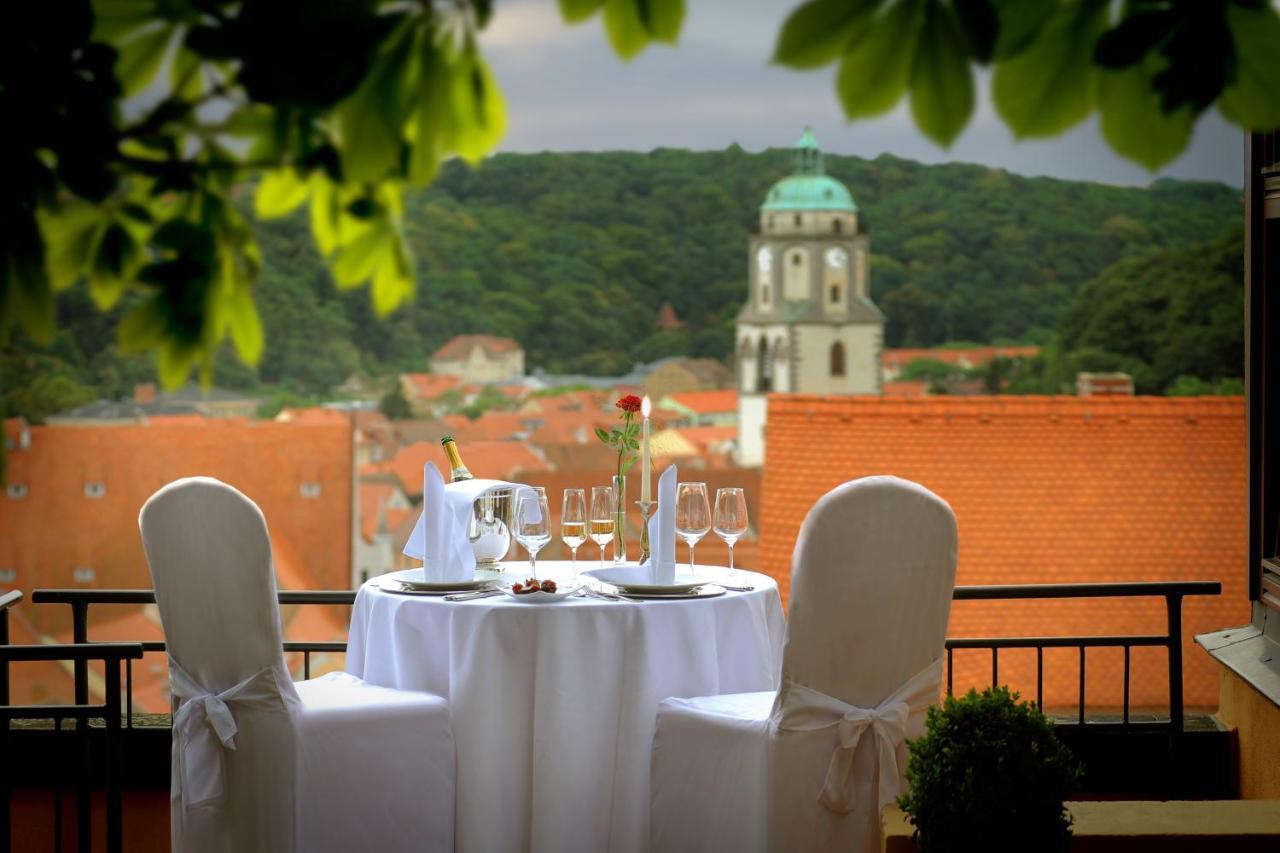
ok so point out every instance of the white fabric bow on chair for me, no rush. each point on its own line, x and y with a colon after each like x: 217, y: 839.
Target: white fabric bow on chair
x: 204, y: 725
x: 805, y: 709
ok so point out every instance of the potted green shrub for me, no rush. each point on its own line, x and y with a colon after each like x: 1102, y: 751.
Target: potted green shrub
x: 989, y: 774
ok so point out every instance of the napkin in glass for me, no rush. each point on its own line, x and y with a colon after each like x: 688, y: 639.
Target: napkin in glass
x: 662, y: 529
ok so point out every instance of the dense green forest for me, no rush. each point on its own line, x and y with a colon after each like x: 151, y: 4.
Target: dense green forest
x: 573, y: 254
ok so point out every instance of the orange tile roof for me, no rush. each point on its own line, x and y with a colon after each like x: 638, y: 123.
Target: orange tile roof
x: 906, y: 388
x: 460, y: 347
x: 1045, y: 489
x: 57, y: 527
x: 428, y: 386
x: 373, y: 496
x: 708, y: 438
x: 312, y: 415
x: 708, y: 402
x: 490, y: 426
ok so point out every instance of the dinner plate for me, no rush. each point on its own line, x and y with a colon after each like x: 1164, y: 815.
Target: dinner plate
x: 708, y: 590
x: 562, y: 592
x: 635, y: 578
x: 413, y: 579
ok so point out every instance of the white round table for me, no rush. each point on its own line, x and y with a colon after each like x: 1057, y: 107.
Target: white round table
x: 553, y: 705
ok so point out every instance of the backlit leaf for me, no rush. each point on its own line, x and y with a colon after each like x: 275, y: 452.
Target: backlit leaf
x: 70, y: 234
x: 477, y: 115
x: 280, y: 193
x: 625, y: 27
x: 1052, y: 85
x: 372, y: 117
x: 393, y: 281
x: 324, y: 213
x: 140, y: 57
x: 1253, y: 99
x: 242, y: 319
x: 1019, y: 23
x: 663, y: 19
x: 574, y: 11
x: 1133, y: 121
x: 818, y: 31
x: 878, y: 61
x: 184, y: 74
x: 941, y: 80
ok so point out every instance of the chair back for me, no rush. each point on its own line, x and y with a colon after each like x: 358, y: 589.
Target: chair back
x: 210, y: 558
x: 872, y: 576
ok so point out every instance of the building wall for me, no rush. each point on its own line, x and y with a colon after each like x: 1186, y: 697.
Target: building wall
x: 480, y: 366
x: 861, y: 359
x: 751, y: 421
x: 1256, y: 720
x: 811, y: 223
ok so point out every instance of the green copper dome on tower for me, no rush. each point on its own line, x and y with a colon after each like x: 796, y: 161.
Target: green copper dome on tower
x: 808, y: 187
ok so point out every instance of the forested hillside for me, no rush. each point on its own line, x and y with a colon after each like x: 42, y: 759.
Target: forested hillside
x: 574, y: 253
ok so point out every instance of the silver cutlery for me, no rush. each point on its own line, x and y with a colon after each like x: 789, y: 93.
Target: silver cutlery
x: 736, y: 588
x: 587, y: 592
x: 469, y: 596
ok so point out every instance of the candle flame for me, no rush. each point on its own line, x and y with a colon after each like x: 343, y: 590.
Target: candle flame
x: 645, y: 406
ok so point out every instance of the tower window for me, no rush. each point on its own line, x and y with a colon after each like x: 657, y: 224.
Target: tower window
x: 835, y: 293
x: 837, y: 359
x: 799, y: 220
x: 766, y: 295
x: 764, y: 368
x: 836, y: 225
x: 770, y: 223
x: 795, y: 259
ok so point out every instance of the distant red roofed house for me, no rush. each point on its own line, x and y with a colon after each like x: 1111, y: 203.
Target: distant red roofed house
x: 695, y: 447
x: 490, y: 426
x: 679, y: 373
x: 894, y: 361
x: 1045, y: 489
x: 423, y: 390
x: 70, y: 513
x: 702, y: 408
x: 480, y: 358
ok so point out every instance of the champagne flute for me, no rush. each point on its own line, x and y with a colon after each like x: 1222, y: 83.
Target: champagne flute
x: 533, y: 527
x: 573, y: 522
x: 693, y: 514
x: 602, y: 504
x: 731, y: 517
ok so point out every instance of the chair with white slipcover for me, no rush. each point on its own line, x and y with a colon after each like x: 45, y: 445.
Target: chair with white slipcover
x: 261, y: 763
x: 810, y: 766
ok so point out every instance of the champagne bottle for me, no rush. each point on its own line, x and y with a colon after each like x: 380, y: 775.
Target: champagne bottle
x: 457, y: 470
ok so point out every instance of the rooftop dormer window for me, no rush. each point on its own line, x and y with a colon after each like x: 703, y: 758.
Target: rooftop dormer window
x: 309, y: 490
x: 8, y: 575
x: 95, y: 489
x: 16, y: 491
x: 84, y: 574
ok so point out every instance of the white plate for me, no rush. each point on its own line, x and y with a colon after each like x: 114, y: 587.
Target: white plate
x: 709, y: 590
x: 635, y: 578
x: 562, y: 592
x: 413, y: 578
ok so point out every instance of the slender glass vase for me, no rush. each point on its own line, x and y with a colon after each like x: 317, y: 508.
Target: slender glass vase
x: 620, y: 518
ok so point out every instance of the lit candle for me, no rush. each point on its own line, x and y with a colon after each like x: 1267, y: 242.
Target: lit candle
x: 644, y: 449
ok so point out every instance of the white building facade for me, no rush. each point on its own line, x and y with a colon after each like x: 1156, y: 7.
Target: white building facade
x: 809, y: 324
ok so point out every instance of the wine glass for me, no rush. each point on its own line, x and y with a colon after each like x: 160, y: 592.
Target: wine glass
x: 573, y: 522
x: 602, y: 505
x: 731, y: 517
x: 693, y: 514
x: 533, y: 527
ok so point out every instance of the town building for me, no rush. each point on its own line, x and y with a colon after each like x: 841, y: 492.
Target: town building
x: 808, y: 324
x: 677, y: 374
x: 480, y: 359
x: 701, y: 408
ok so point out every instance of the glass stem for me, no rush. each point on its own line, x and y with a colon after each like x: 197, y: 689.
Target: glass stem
x: 691, y: 544
x: 730, y: 556
x: 533, y: 564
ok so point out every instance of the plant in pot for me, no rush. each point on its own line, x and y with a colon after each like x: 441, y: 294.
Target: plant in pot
x: 989, y: 774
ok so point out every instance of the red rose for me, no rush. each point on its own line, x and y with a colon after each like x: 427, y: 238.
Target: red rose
x: 629, y: 403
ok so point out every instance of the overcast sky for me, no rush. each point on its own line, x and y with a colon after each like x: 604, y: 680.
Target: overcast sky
x: 567, y: 91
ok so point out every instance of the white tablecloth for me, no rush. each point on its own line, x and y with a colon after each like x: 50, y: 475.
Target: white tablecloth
x: 553, y: 705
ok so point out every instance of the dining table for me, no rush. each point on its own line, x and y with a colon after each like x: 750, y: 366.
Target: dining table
x: 553, y: 705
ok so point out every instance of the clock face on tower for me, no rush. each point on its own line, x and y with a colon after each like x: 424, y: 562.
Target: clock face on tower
x: 764, y: 259
x: 837, y: 258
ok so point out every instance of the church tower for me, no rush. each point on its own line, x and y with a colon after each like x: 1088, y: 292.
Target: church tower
x: 808, y: 324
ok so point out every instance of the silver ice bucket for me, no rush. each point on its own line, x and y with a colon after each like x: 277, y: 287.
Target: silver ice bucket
x: 492, y: 515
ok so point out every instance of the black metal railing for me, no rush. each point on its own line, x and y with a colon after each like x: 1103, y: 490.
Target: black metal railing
x: 79, y: 600
x: 1172, y: 592
x: 111, y: 655
x: 83, y: 650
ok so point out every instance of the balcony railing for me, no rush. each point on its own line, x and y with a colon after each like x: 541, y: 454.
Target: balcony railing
x: 83, y: 650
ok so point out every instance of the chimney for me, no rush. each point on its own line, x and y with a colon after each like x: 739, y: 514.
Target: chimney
x: 144, y: 392
x: 1104, y: 385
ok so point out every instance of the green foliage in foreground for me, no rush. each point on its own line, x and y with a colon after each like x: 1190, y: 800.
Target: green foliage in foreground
x: 989, y: 774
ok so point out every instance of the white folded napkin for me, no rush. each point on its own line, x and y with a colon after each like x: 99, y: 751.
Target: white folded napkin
x: 439, y: 539
x: 662, y: 529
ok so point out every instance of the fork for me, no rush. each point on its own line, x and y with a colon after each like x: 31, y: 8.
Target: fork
x: 469, y: 596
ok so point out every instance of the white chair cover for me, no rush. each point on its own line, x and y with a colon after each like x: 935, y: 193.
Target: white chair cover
x: 259, y: 763
x: 871, y: 583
